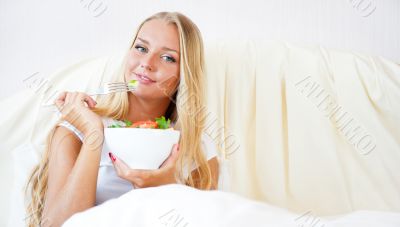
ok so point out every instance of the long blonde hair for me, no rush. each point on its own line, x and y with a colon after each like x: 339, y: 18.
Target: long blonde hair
x: 185, y: 110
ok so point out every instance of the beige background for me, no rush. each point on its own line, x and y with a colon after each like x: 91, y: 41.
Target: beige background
x: 41, y: 36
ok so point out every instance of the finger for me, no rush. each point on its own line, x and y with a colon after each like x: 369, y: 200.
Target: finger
x: 112, y: 157
x: 60, y: 100
x: 138, y: 177
x: 116, y: 163
x: 121, y: 163
x: 88, y: 100
x: 70, y: 98
x: 123, y: 170
x: 173, y: 157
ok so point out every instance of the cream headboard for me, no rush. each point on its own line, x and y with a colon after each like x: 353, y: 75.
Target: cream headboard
x: 308, y: 128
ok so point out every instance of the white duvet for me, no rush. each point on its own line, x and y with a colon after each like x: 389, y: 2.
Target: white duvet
x: 179, y: 206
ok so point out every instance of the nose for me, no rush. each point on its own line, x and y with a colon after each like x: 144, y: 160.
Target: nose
x: 147, y: 62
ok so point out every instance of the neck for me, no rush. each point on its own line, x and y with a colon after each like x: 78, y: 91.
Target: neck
x: 143, y: 110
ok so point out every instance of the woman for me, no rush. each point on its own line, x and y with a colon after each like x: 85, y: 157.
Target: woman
x: 166, y: 57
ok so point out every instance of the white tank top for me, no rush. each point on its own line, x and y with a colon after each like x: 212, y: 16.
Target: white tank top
x: 109, y: 185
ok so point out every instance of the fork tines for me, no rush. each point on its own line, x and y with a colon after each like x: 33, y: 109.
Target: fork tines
x: 120, y: 86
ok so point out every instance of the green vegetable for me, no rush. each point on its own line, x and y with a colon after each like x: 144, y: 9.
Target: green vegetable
x: 163, y: 123
x: 132, y: 83
x: 117, y: 125
x: 127, y: 123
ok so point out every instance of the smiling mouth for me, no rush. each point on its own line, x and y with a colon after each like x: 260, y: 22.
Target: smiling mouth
x: 144, y: 79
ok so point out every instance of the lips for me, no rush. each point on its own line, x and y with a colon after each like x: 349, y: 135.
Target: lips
x: 144, y: 79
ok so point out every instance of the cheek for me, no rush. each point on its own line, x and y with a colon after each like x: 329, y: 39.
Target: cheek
x: 132, y: 61
x: 131, y: 65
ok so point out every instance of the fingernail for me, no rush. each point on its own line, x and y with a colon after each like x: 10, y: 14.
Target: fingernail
x: 112, y: 157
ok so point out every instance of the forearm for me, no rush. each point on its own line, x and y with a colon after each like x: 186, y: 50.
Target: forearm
x: 79, y: 190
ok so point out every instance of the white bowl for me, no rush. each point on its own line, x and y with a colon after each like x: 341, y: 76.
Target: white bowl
x: 141, y: 148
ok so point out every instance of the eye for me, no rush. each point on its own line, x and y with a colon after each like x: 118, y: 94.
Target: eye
x: 168, y: 58
x: 141, y: 49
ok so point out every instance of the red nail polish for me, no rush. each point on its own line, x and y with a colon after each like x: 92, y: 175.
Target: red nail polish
x: 112, y: 157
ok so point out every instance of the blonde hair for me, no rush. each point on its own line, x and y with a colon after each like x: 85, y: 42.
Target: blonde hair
x: 185, y: 110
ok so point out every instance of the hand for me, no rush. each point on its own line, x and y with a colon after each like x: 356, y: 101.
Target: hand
x: 148, y: 178
x: 75, y: 108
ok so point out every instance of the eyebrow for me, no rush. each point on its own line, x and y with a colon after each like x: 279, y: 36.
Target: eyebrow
x: 164, y: 48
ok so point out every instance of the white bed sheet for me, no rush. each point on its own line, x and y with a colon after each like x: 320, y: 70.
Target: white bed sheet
x: 178, y: 205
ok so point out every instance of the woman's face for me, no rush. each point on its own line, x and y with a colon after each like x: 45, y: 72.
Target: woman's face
x: 154, y: 60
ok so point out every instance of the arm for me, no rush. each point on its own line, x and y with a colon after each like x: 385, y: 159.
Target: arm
x: 73, y: 165
x: 72, y: 179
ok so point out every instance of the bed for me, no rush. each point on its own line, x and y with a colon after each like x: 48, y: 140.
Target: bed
x: 307, y: 136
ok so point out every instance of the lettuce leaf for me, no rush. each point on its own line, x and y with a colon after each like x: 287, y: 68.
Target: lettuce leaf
x: 163, y: 123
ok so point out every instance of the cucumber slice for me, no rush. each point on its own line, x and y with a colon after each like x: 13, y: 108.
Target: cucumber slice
x: 133, y: 83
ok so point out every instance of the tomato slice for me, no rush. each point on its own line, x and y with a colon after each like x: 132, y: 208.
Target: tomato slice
x: 144, y: 124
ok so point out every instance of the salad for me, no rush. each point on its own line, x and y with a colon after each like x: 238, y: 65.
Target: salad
x: 133, y: 83
x: 159, y: 123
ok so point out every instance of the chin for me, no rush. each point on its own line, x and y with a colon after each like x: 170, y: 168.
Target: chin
x: 146, y: 94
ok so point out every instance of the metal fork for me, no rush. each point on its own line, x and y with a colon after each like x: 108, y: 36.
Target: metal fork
x: 108, y: 89
x: 113, y: 87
